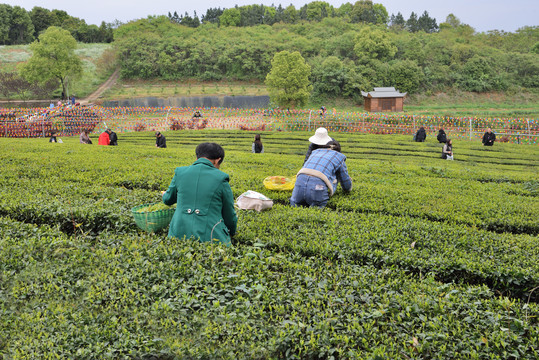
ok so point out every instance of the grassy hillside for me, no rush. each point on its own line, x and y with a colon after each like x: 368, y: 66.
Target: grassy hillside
x: 425, y: 258
x: 96, y: 62
x: 99, y: 62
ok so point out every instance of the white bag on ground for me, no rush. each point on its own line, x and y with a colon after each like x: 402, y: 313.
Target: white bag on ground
x: 252, y: 200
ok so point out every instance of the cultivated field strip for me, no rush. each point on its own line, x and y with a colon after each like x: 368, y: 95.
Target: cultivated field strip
x: 142, y: 295
x: 425, y: 258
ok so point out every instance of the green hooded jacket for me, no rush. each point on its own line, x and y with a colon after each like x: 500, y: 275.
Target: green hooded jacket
x: 205, y: 209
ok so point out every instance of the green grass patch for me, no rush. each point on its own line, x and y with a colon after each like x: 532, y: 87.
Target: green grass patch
x: 126, y: 89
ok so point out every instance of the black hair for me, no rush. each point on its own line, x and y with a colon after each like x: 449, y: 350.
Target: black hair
x: 210, y: 151
x: 333, y: 145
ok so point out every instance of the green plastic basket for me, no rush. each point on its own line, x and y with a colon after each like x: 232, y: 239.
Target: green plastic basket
x: 152, y: 221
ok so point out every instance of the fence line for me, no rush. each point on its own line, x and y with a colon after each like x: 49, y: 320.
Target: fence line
x: 67, y: 121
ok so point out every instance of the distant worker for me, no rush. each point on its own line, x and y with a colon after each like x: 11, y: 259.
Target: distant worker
x: 113, y: 138
x: 84, y: 138
x: 447, y: 151
x: 53, y: 139
x: 104, y: 138
x: 442, y: 137
x: 421, y: 135
x: 489, y: 138
x: 257, y: 147
x: 205, y: 209
x: 317, y: 181
x: 322, y: 112
x: 320, y: 137
x: 160, y: 140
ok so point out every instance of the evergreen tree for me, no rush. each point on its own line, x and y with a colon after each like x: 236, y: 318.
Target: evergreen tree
x: 106, y: 34
x: 411, y: 23
x: 212, y: 15
x: 426, y: 23
x: 397, y: 21
x: 279, y: 14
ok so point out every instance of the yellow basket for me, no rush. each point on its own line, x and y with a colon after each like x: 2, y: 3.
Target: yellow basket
x: 280, y: 182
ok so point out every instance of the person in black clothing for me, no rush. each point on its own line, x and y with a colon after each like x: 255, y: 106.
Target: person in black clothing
x: 421, y: 135
x: 113, y: 138
x: 489, y: 138
x: 442, y: 137
x: 53, y: 137
x: 257, y: 145
x: 160, y: 140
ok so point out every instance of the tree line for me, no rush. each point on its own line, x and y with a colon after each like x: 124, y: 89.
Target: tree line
x: 18, y: 26
x: 363, y: 11
x: 345, y: 57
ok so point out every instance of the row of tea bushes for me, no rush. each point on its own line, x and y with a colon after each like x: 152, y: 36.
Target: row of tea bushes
x: 506, y: 263
x: 72, y: 207
x: 502, y: 163
x: 502, y: 207
x: 377, y: 274
x: 447, y: 192
x: 144, y: 296
x: 361, y: 146
x: 481, y: 163
x: 469, y: 255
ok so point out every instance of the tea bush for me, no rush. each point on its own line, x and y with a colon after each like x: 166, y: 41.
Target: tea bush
x: 426, y: 258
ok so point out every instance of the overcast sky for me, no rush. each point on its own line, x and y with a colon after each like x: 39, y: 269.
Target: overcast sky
x: 482, y: 15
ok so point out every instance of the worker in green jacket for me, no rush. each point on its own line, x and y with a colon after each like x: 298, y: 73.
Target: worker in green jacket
x: 205, y: 209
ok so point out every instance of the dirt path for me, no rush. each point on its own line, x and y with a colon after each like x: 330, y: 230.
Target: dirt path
x: 104, y: 87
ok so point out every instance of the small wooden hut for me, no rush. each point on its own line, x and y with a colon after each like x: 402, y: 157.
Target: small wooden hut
x: 383, y: 99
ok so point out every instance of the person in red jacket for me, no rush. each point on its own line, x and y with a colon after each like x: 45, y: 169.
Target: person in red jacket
x: 104, y: 138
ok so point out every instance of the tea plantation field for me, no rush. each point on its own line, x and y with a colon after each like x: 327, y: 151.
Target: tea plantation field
x: 425, y: 259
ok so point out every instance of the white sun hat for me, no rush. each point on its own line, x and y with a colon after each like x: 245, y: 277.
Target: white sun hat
x: 320, y: 137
